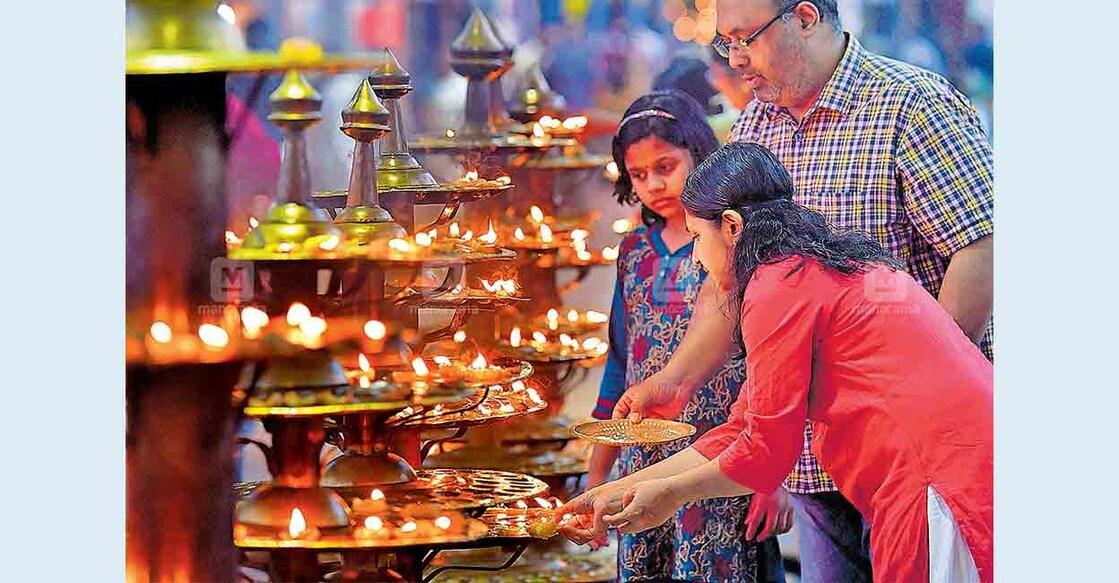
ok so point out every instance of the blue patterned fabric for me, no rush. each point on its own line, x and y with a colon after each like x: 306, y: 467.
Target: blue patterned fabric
x: 654, y: 295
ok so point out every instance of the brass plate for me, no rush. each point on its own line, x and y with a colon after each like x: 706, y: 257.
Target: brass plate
x: 456, y: 489
x: 442, y: 193
x: 382, y: 396
x: 547, y: 465
x: 488, y: 412
x: 622, y: 432
x: 259, y: 538
x: 392, y: 259
x: 477, y: 300
x: 515, y: 522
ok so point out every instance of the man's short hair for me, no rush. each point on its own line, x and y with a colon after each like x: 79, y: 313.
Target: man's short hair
x: 829, y: 10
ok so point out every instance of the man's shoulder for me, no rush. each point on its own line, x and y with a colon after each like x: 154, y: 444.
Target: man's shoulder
x: 906, y: 82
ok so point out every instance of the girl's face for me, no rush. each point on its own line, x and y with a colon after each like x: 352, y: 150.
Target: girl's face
x: 658, y: 171
x: 713, y: 245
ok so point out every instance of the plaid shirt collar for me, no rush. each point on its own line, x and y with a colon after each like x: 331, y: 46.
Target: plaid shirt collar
x: 839, y: 92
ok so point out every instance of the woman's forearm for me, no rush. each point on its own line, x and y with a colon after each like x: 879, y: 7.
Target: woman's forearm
x: 707, y: 481
x: 678, y: 463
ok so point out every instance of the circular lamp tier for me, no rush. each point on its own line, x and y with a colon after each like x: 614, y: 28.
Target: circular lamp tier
x: 548, y: 464
x: 437, y: 490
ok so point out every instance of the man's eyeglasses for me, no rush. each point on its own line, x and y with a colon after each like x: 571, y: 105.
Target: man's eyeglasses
x: 722, y: 46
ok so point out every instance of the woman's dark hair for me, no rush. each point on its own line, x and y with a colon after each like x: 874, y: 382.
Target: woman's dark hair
x: 749, y: 179
x: 686, y: 129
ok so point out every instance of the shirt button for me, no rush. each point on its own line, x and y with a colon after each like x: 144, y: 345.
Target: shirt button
x: 799, y: 136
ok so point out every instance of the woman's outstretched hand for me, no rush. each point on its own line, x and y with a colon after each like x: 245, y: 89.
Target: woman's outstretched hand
x: 587, y: 510
x: 646, y: 505
x: 657, y: 397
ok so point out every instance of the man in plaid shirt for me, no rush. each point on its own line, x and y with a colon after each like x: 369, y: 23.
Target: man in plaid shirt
x: 873, y: 144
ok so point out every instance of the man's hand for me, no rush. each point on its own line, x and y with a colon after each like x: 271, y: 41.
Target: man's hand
x: 654, y: 397
x: 647, y: 505
x: 770, y: 514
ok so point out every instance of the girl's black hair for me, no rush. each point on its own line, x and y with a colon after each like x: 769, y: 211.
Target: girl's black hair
x: 688, y: 130
x: 749, y: 179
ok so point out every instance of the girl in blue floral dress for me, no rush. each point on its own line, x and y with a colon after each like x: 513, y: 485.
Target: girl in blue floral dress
x: 661, y: 138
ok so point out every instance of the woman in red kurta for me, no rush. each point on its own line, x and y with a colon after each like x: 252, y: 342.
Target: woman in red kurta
x: 899, y: 399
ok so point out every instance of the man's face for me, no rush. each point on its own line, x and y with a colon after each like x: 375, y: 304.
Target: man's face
x: 774, y: 66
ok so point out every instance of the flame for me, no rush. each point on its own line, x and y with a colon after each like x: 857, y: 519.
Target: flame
x: 420, y: 368
x: 519, y: 234
x: 433, y: 233
x: 621, y: 226
x: 509, y: 285
x: 537, y: 130
x: 579, y: 234
x: 212, y: 335
x: 479, y: 363
x: 330, y: 244
x: 490, y: 237
x: 399, y: 245
x: 572, y: 315
x: 423, y: 239
x: 543, y: 503
x: 553, y: 314
x: 549, y: 122
x: 453, y: 230
x: 254, y: 318
x: 583, y: 255
x: 610, y: 253
x: 591, y: 343
x: 285, y: 247
x: 297, y: 313
x: 574, y: 123
x: 313, y: 327
x: 536, y: 214
x: 545, y: 233
x: 231, y: 238
x: 597, y: 317
x: 376, y: 494
x: 363, y: 363
x: 373, y: 523
x: 450, y: 133
x: 460, y: 337
x: 160, y: 332
x: 442, y: 360
x: 468, y: 235
x: 504, y: 180
x: 612, y: 171
x: 506, y: 408
x: 471, y: 176
x: 364, y: 382
x: 253, y: 223
x: 409, y: 526
x: 521, y: 504
x: 296, y: 525
x: 539, y: 338
x: 515, y: 337
x: 518, y: 386
x: 534, y: 395
x: 442, y: 522
x: 375, y: 330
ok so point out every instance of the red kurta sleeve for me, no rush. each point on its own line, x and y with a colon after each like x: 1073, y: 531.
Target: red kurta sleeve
x: 779, y: 322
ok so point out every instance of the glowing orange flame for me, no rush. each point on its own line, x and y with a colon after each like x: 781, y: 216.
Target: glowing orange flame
x: 231, y: 238
x: 536, y: 214
x: 460, y: 337
x: 376, y: 494
x: 471, y: 175
x: 420, y: 368
x: 453, y: 230
x: 374, y: 524
x: 580, y: 235
x: 254, y: 318
x: 479, y: 363
x: 442, y: 360
x: 572, y: 315
x: 375, y: 330
x: 409, y: 526
x: 331, y: 243
x: 610, y: 253
x: 504, y: 180
x: 622, y: 226
x: 468, y: 235
x: 363, y: 362
x: 518, y: 385
x: 597, y: 317
x: 537, y: 130
x: 312, y: 327
x: 297, y: 314
x: 297, y: 525
x: 539, y: 337
x: 423, y: 239
x: 213, y: 336
x: 442, y: 522
x: 253, y: 223
x: 490, y: 237
x: 546, y: 234
x: 515, y: 337
x: 449, y: 133
x: 553, y: 314
x: 160, y: 332
x: 519, y: 234
x: 399, y: 245
x: 521, y: 504
x: 543, y: 503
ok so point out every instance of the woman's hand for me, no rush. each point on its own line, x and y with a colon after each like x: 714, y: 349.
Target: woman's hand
x: 587, y: 511
x: 769, y: 514
x: 657, y: 396
x: 647, y: 505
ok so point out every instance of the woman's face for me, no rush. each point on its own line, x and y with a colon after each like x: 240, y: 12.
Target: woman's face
x: 712, y: 247
x: 658, y: 170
